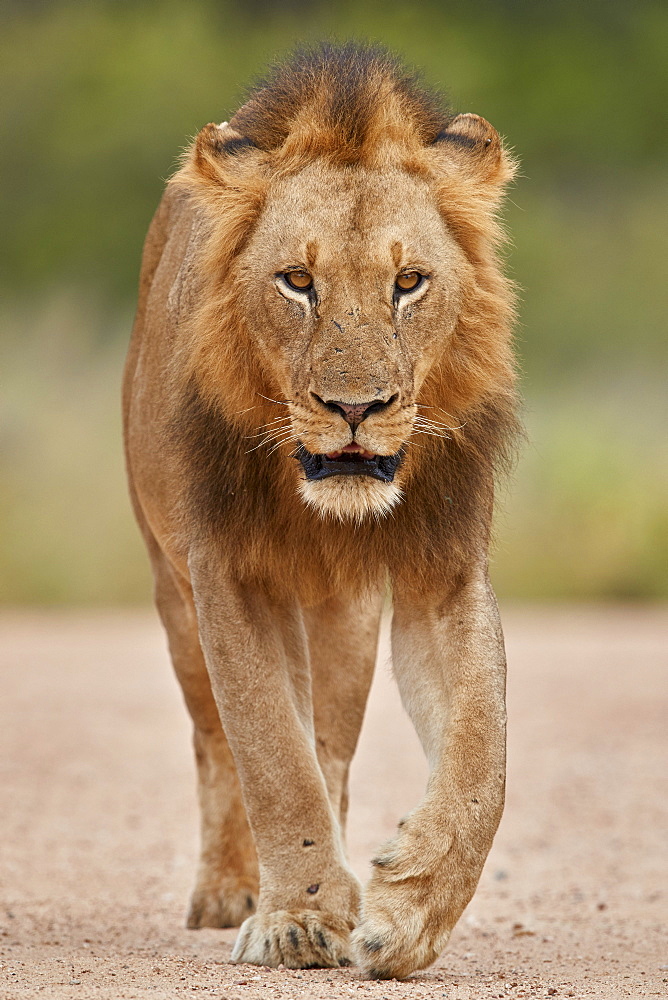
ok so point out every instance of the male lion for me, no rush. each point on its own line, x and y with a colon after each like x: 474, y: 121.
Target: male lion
x: 318, y: 392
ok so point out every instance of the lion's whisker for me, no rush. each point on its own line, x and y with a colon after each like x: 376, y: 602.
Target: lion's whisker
x: 434, y: 434
x: 286, y: 440
x: 274, y: 435
x: 420, y: 417
x: 437, y: 424
x: 281, y: 402
x: 250, y: 450
x: 269, y: 429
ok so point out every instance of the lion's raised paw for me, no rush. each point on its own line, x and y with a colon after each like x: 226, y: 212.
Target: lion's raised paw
x: 406, y: 920
x: 226, y: 905
x: 392, y: 950
x: 309, y: 939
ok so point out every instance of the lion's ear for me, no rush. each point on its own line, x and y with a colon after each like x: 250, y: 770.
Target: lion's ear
x: 215, y: 148
x: 226, y: 175
x: 471, y: 145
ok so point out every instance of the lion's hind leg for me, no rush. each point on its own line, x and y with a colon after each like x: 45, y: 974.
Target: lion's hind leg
x: 226, y: 890
x: 227, y: 879
x: 343, y: 640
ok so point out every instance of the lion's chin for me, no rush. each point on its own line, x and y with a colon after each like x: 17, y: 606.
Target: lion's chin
x: 350, y: 498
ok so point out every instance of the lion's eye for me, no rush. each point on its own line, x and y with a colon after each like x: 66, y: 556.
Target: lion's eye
x: 299, y: 279
x: 408, y: 281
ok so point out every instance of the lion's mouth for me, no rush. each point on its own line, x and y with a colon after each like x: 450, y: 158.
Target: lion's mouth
x: 349, y: 461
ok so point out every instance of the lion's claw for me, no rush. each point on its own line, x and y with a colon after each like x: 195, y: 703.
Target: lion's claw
x: 308, y: 939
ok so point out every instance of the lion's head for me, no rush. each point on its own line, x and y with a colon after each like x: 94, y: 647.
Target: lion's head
x: 352, y: 307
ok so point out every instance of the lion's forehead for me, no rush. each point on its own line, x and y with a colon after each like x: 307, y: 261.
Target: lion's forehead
x: 331, y: 215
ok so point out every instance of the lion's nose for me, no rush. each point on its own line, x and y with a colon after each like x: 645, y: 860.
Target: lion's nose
x: 355, y: 413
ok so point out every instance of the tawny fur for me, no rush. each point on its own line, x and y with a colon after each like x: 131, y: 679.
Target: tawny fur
x: 343, y: 165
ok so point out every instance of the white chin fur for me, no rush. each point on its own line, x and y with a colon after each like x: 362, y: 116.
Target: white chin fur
x: 350, y: 498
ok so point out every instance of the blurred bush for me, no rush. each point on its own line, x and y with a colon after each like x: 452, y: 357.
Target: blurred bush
x: 96, y: 100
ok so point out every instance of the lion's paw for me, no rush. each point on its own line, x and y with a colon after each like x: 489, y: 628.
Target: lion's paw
x: 226, y: 905
x: 309, y: 939
x: 411, y: 904
x: 392, y: 947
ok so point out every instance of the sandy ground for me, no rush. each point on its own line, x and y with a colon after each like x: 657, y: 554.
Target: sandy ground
x: 99, y: 826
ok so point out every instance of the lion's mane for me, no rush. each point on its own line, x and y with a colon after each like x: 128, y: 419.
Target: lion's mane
x: 353, y: 105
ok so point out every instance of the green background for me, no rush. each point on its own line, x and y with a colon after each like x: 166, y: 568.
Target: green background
x: 97, y: 99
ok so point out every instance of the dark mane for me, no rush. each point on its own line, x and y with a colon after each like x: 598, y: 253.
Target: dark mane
x: 347, y: 105
x: 342, y: 89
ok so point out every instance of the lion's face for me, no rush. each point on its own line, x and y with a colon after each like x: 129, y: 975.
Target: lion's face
x: 348, y: 270
x: 353, y: 288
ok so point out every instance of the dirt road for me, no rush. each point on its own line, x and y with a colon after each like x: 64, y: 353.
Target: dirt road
x: 99, y: 826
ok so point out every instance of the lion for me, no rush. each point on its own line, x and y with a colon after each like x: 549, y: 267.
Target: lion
x: 319, y: 392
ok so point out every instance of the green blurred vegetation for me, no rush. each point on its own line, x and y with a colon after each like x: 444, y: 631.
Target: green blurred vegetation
x: 97, y: 99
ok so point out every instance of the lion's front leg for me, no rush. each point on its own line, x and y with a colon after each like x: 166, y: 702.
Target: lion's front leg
x: 449, y: 662
x: 257, y: 659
